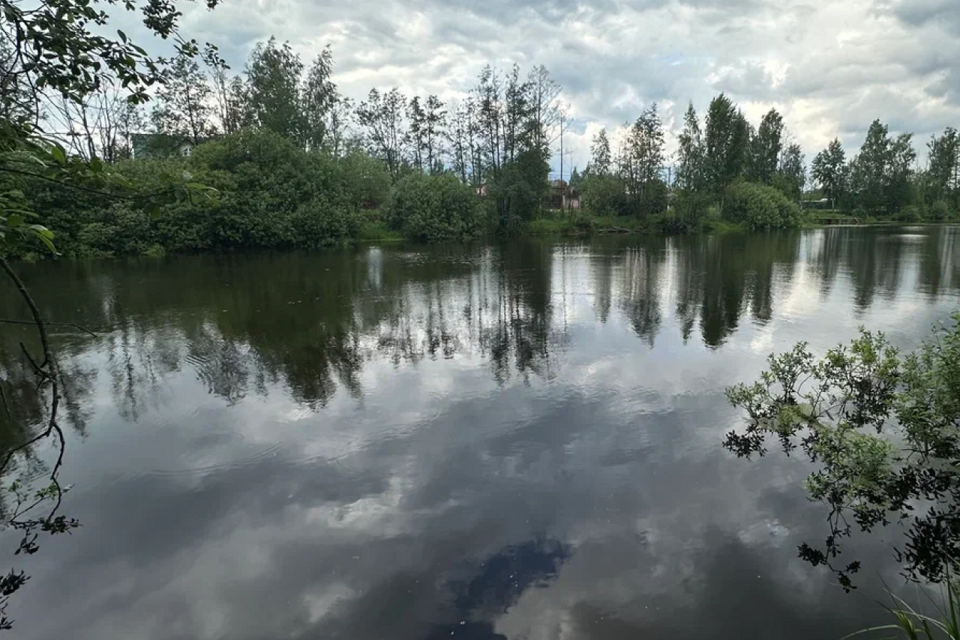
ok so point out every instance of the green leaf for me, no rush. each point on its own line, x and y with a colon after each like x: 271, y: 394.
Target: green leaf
x: 96, y: 165
x: 14, y: 220
x: 46, y: 240
x: 153, y: 211
x: 58, y: 155
x: 41, y: 230
x: 122, y: 35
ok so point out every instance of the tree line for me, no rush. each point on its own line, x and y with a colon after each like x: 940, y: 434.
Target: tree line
x: 431, y: 170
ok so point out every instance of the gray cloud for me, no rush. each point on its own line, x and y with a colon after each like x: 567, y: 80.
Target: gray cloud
x: 831, y: 68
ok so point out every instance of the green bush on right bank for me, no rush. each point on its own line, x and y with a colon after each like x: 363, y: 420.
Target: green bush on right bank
x: 760, y: 207
x: 434, y: 208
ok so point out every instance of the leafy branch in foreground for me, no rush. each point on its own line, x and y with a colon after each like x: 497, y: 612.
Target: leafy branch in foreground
x: 58, y: 48
x: 884, y: 431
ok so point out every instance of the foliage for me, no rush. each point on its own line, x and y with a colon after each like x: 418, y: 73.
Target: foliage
x: 366, y: 181
x: 516, y: 191
x: 601, y: 161
x: 941, y: 210
x: 381, y: 115
x: 942, y: 178
x: 765, y: 148
x: 434, y: 208
x: 760, y: 207
x: 183, y: 105
x: 273, y: 90
x: 883, y: 430
x: 792, y: 174
x: 910, y: 213
x: 642, y: 162
x: 57, y: 50
x: 829, y: 171
x: 691, y: 208
x: 320, y: 97
x: 880, y: 175
x: 726, y: 144
x: 690, y: 162
x: 605, y: 195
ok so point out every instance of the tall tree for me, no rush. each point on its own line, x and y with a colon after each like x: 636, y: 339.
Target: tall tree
x: 829, y: 171
x: 645, y: 157
x: 942, y: 173
x: 417, y: 124
x: 516, y: 114
x: 320, y: 97
x: 490, y: 104
x: 458, y: 137
x: 600, y: 163
x: 868, y: 170
x: 766, y: 146
x: 338, y: 125
x: 184, y: 102
x: 434, y: 132
x: 474, y: 142
x: 899, y: 174
x: 793, y: 172
x: 381, y: 115
x: 690, y: 160
x: 229, y: 93
x: 273, y: 84
x: 726, y: 143
x: 544, y: 110
x: 99, y: 125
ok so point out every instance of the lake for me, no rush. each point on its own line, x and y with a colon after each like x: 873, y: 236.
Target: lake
x: 498, y: 441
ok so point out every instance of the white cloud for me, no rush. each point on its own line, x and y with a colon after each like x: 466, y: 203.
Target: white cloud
x: 831, y: 68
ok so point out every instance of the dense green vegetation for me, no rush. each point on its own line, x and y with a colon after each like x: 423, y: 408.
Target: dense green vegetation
x: 296, y: 164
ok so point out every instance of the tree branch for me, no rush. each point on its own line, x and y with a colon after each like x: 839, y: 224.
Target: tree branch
x: 48, y: 373
x: 61, y: 324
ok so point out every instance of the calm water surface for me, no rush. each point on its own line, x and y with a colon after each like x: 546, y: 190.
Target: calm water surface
x: 517, y: 441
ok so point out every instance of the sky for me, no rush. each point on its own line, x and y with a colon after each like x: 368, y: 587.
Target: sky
x: 830, y: 68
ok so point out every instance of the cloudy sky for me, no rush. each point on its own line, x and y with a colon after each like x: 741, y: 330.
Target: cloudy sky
x: 829, y: 67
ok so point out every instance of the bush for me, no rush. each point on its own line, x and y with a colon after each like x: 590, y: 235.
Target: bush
x: 366, y: 181
x: 669, y: 223
x: 760, y: 207
x: 941, y: 210
x: 690, y: 208
x: 514, y: 197
x: 434, y: 208
x: 605, y: 196
x: 319, y: 223
x: 910, y: 213
x: 655, y: 199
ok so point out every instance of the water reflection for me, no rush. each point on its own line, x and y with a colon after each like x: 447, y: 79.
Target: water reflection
x: 311, y: 322
x: 495, y: 442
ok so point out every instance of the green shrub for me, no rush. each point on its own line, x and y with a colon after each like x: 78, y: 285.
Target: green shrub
x: 318, y: 223
x: 434, y: 208
x: 605, y: 196
x: 760, y: 207
x: 910, y: 213
x: 514, y: 197
x: 941, y: 210
x: 655, y: 200
x: 669, y: 223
